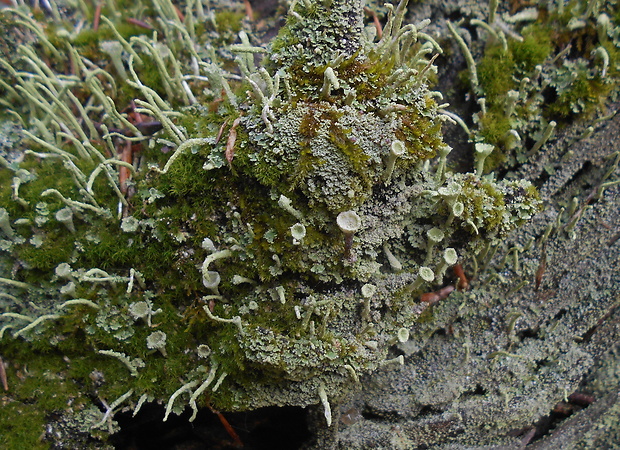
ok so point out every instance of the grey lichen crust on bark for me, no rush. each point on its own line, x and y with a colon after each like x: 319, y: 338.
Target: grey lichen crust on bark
x: 541, y: 325
x: 496, y: 361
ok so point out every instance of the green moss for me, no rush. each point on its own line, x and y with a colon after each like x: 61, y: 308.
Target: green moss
x: 495, y: 74
x: 150, y: 75
x: 265, y: 172
x: 533, y: 50
x: 494, y: 125
x: 353, y: 152
x: 229, y: 23
x: 110, y: 250
x: 6, y: 193
x: 89, y: 38
x: 421, y: 134
x: 367, y: 77
x: 484, y: 205
x: 187, y: 178
x: 37, y: 389
x: 310, y: 124
x: 58, y: 245
x: 127, y: 30
x: 46, y: 177
x: 498, y: 72
x: 306, y: 163
x: 22, y: 425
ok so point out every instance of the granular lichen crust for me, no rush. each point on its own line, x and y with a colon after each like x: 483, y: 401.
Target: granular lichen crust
x: 189, y: 234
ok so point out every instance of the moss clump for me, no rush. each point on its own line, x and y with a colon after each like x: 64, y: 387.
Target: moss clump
x: 533, y: 50
x: 494, y: 125
x: 228, y: 24
x: 496, y: 73
x: 25, y: 431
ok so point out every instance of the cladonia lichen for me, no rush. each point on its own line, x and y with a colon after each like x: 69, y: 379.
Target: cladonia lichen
x: 254, y: 233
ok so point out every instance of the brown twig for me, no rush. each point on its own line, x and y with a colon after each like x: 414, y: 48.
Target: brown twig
x: 434, y: 297
x: 221, y: 131
x: 249, y: 12
x: 527, y: 437
x: 588, y: 334
x: 542, y: 266
x: 230, y: 143
x: 179, y: 13
x: 139, y: 23
x: 229, y: 429
x: 123, y: 172
x: 97, y: 17
x: 463, y: 283
x: 375, y: 20
x: 5, y: 383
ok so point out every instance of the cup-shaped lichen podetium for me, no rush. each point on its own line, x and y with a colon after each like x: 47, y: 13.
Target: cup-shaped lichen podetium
x: 157, y: 341
x: 397, y: 149
x: 298, y: 231
x: 348, y: 222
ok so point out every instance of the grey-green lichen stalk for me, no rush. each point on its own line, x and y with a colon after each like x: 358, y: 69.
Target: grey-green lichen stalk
x: 278, y: 251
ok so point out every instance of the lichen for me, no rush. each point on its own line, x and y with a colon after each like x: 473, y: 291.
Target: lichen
x: 150, y: 218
